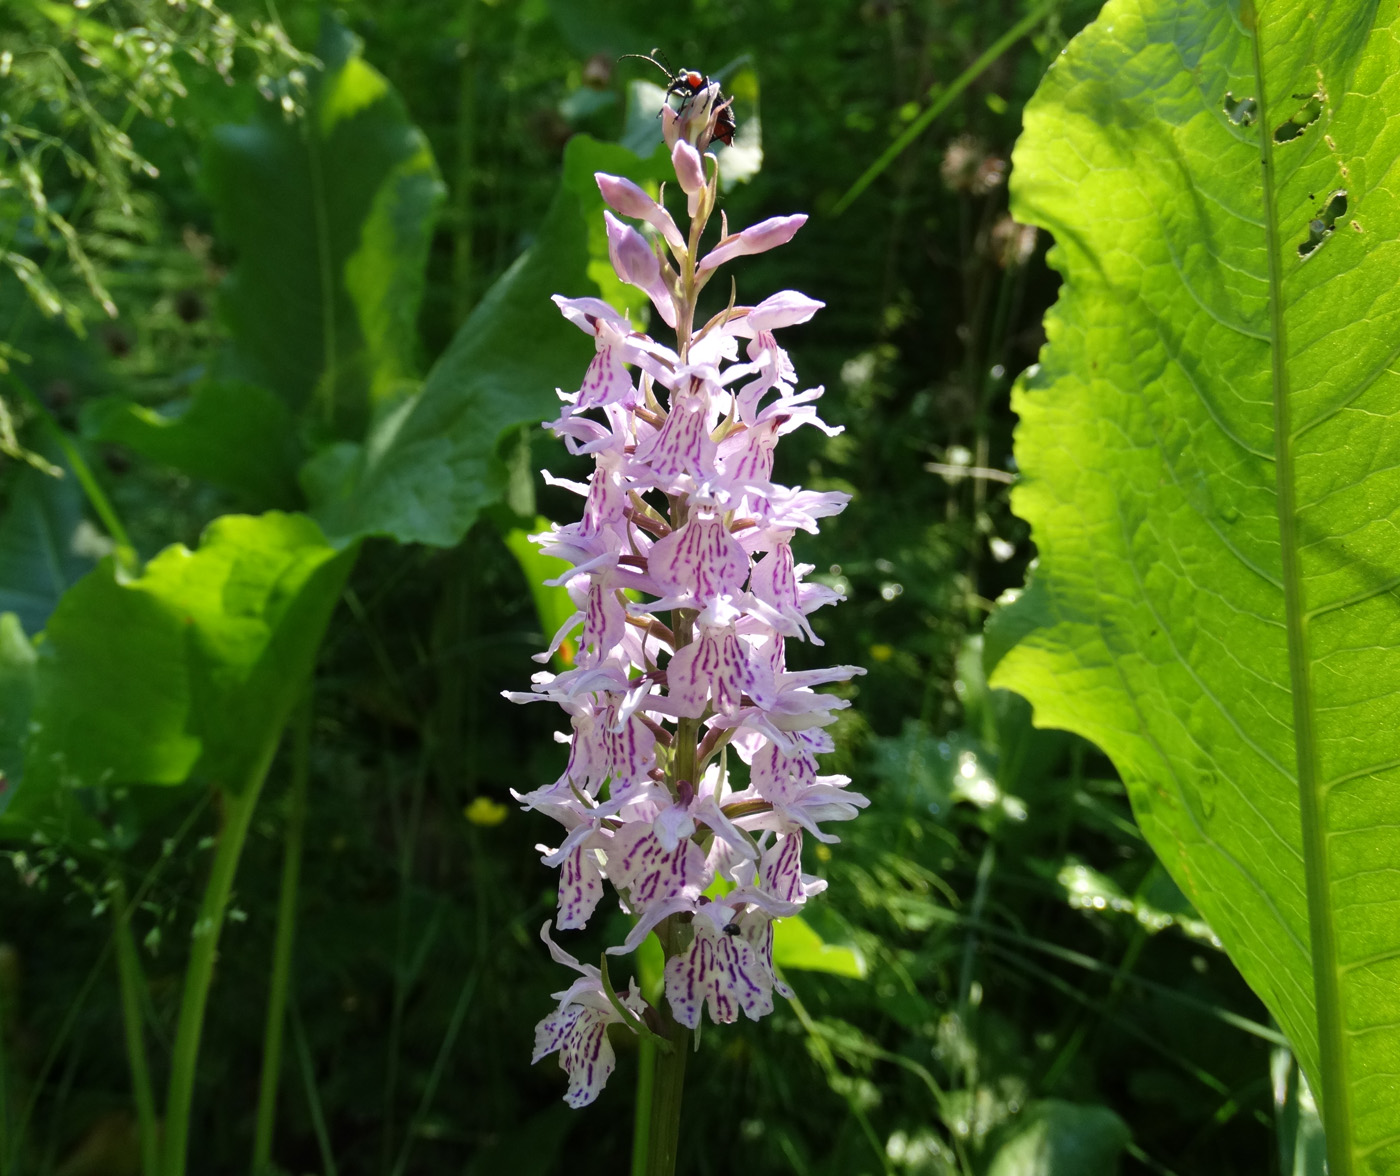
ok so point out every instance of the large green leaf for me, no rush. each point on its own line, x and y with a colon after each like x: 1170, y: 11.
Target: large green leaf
x: 331, y: 216
x: 430, y: 466
x: 1211, y: 467
x: 190, y: 668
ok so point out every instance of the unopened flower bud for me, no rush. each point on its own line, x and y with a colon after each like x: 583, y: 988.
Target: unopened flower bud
x: 759, y: 238
x: 637, y: 265
x: 624, y: 196
x: 627, y: 198
x: 690, y: 168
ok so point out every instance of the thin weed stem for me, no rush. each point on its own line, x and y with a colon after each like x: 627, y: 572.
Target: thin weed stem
x: 313, y: 1096
x: 133, y: 983
x: 10, y: 1146
x: 285, y: 937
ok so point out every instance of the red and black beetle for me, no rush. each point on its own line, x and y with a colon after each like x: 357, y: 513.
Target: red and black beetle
x: 689, y: 84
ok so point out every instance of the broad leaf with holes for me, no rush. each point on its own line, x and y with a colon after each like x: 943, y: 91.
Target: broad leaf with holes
x: 1211, y: 458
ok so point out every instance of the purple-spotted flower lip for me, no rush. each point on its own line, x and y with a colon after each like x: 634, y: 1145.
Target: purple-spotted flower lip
x: 577, y: 1029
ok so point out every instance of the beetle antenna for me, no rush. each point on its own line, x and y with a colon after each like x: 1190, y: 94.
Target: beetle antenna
x: 648, y: 57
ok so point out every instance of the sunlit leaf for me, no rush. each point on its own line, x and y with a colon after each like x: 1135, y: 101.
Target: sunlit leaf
x: 798, y: 948
x: 1057, y: 1138
x: 553, y: 604
x: 191, y: 667
x: 1211, y: 465
x: 1156, y: 903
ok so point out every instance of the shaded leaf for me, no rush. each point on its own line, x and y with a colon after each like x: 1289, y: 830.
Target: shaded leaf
x: 45, y: 544
x: 234, y: 435
x: 331, y: 217
x: 1211, y: 467
x: 430, y: 466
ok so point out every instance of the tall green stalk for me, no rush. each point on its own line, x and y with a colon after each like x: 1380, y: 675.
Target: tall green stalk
x: 238, y: 810
x: 133, y: 981
x: 667, y: 1080
x: 641, y: 1117
x: 285, y: 938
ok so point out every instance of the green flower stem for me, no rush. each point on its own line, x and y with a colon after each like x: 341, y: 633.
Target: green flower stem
x: 285, y: 939
x: 133, y: 981
x: 641, y: 1118
x: 237, y: 816
x: 667, y: 1080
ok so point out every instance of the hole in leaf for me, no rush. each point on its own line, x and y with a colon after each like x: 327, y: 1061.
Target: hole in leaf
x: 1240, y: 111
x: 1321, y: 226
x: 1306, y: 115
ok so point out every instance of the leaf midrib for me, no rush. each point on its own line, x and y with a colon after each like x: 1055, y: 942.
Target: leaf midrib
x: 1335, y: 1095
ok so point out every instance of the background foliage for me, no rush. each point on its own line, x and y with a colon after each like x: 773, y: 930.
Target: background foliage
x: 329, y: 245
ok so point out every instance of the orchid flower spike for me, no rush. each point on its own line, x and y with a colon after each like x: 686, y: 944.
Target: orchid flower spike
x: 687, y: 589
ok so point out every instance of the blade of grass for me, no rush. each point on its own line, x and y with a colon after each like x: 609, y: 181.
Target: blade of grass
x: 454, y: 1027
x: 49, y: 1160
x: 407, y: 833
x: 1204, y: 1077
x: 827, y: 1061
x: 943, y: 101
x: 96, y: 496
x: 1234, y: 1020
x: 4, y: 1086
x: 313, y: 1096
